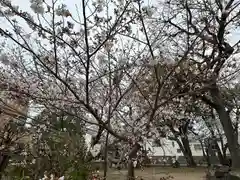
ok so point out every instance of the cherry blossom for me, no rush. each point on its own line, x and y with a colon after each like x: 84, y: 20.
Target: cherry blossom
x: 37, y: 6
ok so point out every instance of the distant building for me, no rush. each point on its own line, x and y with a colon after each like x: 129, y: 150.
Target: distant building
x: 162, y: 149
x: 168, y: 150
x: 171, y: 148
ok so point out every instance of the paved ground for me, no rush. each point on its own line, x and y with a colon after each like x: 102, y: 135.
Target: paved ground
x: 157, y: 173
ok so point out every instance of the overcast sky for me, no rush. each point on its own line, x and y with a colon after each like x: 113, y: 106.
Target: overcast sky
x: 71, y: 4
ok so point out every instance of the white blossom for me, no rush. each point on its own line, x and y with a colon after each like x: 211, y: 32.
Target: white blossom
x: 51, y: 177
x: 177, y: 70
x: 95, y: 150
x: 59, y: 30
x: 99, y: 4
x: 33, y: 161
x: 153, y: 62
x: 121, y: 2
x: 37, y: 6
x: 149, y: 11
x: 5, y: 2
x: 4, y: 59
x: 99, y: 8
x: 108, y: 45
x: 63, y: 11
x: 17, y: 29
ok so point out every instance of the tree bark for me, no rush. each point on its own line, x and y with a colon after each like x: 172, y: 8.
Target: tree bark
x: 219, y: 153
x: 184, y: 143
x: 106, y: 158
x: 225, y: 147
x: 4, y: 160
x: 211, y: 153
x: 186, y: 150
x: 208, y: 158
x: 131, y: 155
x: 221, y: 157
x: 231, y: 136
x: 205, y: 153
x: 130, y: 174
x: 228, y: 127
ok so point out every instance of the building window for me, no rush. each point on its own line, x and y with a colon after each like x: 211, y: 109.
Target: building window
x: 197, y: 147
x: 179, y: 151
x: 173, y: 144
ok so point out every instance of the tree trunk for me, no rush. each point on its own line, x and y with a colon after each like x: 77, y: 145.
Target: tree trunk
x: 106, y: 158
x: 186, y: 150
x: 220, y: 154
x: 208, y: 158
x: 231, y: 136
x: 205, y: 153
x: 132, y: 154
x: 130, y: 175
x: 212, y: 154
x: 225, y: 147
x: 4, y: 159
x: 227, y: 125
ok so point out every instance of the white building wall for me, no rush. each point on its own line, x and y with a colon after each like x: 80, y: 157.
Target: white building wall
x: 167, y: 148
x: 171, y: 148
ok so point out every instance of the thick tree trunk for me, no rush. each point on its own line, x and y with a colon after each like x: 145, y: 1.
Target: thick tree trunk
x: 231, y: 136
x: 131, y: 155
x: 208, y: 158
x: 205, y: 153
x: 186, y: 150
x: 220, y: 153
x: 225, y: 147
x: 212, y: 154
x: 106, y: 157
x: 4, y: 160
x: 130, y: 175
x: 221, y: 158
x: 228, y: 127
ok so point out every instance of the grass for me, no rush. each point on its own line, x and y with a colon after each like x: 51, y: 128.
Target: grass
x: 158, y: 172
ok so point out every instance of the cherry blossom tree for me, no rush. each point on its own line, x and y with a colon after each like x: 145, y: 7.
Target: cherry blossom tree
x: 83, y: 63
x: 13, y: 115
x: 107, y: 63
x: 179, y: 123
x: 209, y: 24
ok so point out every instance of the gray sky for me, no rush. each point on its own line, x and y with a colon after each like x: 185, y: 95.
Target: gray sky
x: 71, y: 4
